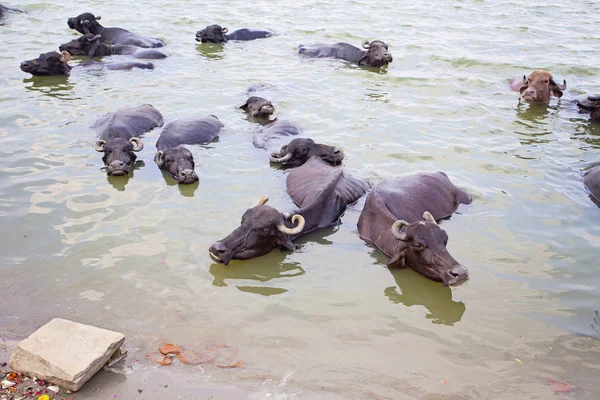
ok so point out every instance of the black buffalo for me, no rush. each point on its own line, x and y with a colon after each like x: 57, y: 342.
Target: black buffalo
x: 300, y: 150
x: 88, y: 23
x: 175, y: 159
x: 53, y: 63
x: 274, y: 132
x: 257, y: 107
x: 118, y: 136
x: 217, y: 34
x: 91, y: 45
x: 375, y: 55
x: 591, y: 180
x: 322, y: 193
x: 4, y: 8
x: 400, y: 216
x: 591, y: 104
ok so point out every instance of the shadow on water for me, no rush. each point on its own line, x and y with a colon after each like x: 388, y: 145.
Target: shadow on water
x: 586, y: 131
x: 185, y: 190
x: 210, y: 51
x: 55, y: 86
x: 119, y: 182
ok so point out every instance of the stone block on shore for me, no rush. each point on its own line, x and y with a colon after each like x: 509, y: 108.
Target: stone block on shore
x: 65, y: 352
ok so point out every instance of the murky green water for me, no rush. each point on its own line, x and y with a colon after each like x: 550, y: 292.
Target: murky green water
x: 329, y: 320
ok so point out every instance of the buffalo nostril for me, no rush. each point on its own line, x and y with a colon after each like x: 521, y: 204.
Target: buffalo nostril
x: 459, y: 273
x: 219, y: 248
x: 337, y: 152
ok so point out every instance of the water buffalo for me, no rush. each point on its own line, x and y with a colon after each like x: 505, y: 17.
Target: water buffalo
x: 88, y: 23
x: 4, y: 8
x: 591, y: 180
x: 53, y: 63
x: 320, y: 190
x: 538, y: 87
x: 118, y: 136
x: 175, y: 159
x: 300, y: 150
x: 91, y: 45
x: 257, y: 107
x: 400, y: 216
x: 591, y: 104
x: 375, y: 55
x: 217, y: 34
x: 273, y: 132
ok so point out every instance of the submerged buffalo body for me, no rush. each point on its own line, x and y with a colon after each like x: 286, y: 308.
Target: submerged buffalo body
x: 175, y: 159
x: 88, y: 23
x: 591, y: 180
x: 91, y: 45
x: 322, y: 193
x: 53, y: 63
x: 300, y: 150
x: 257, y: 107
x: 272, y: 133
x: 375, y: 55
x: 118, y: 136
x: 4, y: 8
x: 400, y: 216
x: 217, y: 34
x: 591, y: 104
x: 538, y: 87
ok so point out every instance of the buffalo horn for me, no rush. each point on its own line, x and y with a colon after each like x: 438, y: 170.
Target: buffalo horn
x: 158, y: 159
x: 282, y: 160
x: 99, y: 17
x: 95, y: 38
x: 224, y: 30
x: 137, y: 143
x: 594, y: 98
x: 396, y: 229
x: 85, y: 22
x: 99, y: 146
x: 65, y: 56
x: 366, y: 44
x: 524, y: 80
x: 428, y: 217
x: 561, y: 87
x: 293, y: 231
x: 261, y: 202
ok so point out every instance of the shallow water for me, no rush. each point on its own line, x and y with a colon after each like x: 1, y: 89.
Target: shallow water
x: 329, y: 320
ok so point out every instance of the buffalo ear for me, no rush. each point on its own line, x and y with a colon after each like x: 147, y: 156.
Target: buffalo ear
x: 245, y: 107
x: 523, y: 88
x: 398, y: 259
x: 556, y: 92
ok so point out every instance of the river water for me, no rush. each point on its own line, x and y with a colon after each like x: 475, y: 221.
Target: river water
x: 329, y: 320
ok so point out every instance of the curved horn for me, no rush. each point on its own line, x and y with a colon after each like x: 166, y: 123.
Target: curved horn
x: 99, y: 146
x: 593, y: 98
x: 396, y: 227
x: 366, y: 44
x: 293, y: 231
x: 158, y: 159
x: 137, y: 143
x: 85, y: 22
x: 261, y: 202
x: 65, y: 56
x: 428, y: 217
x: 98, y: 17
x: 224, y: 30
x: 282, y: 160
x: 94, y: 38
x: 561, y: 87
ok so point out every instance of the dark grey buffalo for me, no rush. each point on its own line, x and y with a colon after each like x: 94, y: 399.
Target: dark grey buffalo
x: 119, y: 136
x: 88, y: 23
x: 91, y: 45
x: 375, y: 55
x: 400, y: 216
x: 591, y: 180
x: 3, y: 9
x: 591, y: 104
x: 322, y: 193
x: 175, y: 159
x: 53, y: 63
x: 217, y: 34
x: 257, y: 107
x: 300, y: 150
x: 274, y: 132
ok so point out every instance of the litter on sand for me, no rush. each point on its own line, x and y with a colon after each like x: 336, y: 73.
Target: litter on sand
x: 218, y: 354
x: 560, y: 387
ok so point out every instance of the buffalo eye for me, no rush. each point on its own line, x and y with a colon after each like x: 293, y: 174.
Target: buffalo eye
x: 418, y: 246
x: 546, y: 81
x: 265, y: 231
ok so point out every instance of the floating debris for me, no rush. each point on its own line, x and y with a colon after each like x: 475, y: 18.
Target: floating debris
x: 560, y: 387
x: 519, y: 361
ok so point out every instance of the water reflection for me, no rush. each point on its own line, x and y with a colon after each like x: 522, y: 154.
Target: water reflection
x: 119, y: 182
x: 587, y: 131
x: 413, y: 289
x: 185, y: 190
x: 533, y: 112
x: 54, y: 86
x: 210, y: 51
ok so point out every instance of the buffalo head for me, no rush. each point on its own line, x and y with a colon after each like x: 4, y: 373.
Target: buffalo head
x: 119, y: 154
x: 377, y: 54
x: 179, y: 163
x: 422, y: 247
x: 47, y: 64
x: 591, y: 104
x: 540, y: 86
x: 298, y: 151
x: 83, y: 45
x: 212, y: 34
x: 258, y: 107
x: 83, y: 23
x: 262, y: 229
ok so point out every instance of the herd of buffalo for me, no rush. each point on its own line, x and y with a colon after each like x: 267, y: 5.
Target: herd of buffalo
x: 399, y: 216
